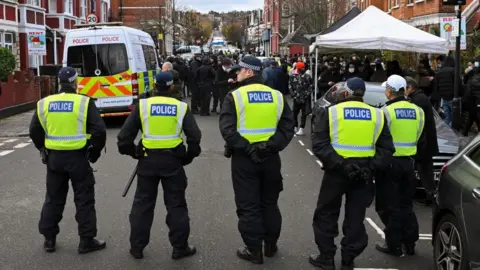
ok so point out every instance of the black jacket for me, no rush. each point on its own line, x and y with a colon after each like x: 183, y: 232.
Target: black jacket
x: 127, y: 135
x: 419, y: 98
x: 228, y: 125
x: 444, y: 83
x: 205, y: 75
x: 221, y: 79
x: 95, y: 127
x: 331, y: 160
x: 421, y: 143
x: 328, y: 76
x: 473, y: 86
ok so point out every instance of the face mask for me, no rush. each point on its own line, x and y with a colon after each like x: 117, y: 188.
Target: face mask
x: 227, y: 69
x: 351, y: 70
x: 477, y: 64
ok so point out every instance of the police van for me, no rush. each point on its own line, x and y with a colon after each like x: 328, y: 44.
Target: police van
x: 115, y: 64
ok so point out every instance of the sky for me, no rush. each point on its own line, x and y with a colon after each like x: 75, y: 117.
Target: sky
x: 205, y: 6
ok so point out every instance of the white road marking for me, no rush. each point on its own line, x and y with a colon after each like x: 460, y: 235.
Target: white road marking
x: 425, y: 238
x: 379, y: 231
x: 301, y: 143
x: 21, y: 145
x: 10, y: 140
x: 319, y: 163
x: 425, y: 235
x: 6, y: 152
x: 310, y: 152
x: 1, y: 144
x: 29, y: 140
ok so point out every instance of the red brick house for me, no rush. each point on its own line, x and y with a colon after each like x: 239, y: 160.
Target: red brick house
x: 52, y: 17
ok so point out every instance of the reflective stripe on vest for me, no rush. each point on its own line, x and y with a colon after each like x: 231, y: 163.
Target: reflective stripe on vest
x: 406, y: 122
x: 354, y: 135
x: 59, y: 133
x: 250, y: 102
x: 170, y: 129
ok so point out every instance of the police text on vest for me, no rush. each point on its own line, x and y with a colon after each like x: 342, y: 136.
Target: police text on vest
x: 163, y: 110
x: 357, y: 114
x: 60, y: 106
x: 409, y: 114
x: 259, y: 97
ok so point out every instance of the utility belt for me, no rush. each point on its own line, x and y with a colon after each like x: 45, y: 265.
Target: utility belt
x: 405, y: 157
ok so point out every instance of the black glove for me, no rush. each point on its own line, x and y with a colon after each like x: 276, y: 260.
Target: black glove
x: 139, y: 152
x: 258, y: 152
x: 351, y: 170
x: 366, y: 174
x: 93, y: 155
x: 187, y: 160
x: 192, y: 152
x: 227, y: 152
x: 44, y: 155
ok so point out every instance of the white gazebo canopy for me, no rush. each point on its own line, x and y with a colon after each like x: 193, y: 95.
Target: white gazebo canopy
x: 374, y: 29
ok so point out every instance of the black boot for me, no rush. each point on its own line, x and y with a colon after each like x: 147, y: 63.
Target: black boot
x: 347, y: 264
x: 409, y: 249
x: 270, y: 250
x: 394, y: 251
x: 90, y: 244
x: 49, y: 244
x: 254, y: 256
x: 136, y: 253
x: 322, y: 261
x: 179, y: 253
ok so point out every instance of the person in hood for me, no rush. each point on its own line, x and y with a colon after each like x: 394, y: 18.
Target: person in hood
x: 224, y: 81
x: 351, y: 71
x: 195, y: 64
x: 205, y: 78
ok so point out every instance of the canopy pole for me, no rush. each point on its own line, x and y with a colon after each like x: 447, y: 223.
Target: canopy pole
x: 316, y: 75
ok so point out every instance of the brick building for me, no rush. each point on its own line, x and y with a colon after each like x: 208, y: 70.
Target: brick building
x: 271, y: 35
x: 52, y: 17
x: 424, y: 14
x: 151, y: 16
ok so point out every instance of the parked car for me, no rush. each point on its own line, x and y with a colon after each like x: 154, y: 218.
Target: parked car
x: 455, y: 223
x: 448, y: 140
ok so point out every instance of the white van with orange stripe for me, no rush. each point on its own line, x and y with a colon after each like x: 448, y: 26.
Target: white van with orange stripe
x: 115, y: 64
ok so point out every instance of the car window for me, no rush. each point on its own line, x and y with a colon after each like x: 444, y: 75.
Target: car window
x: 375, y: 99
x: 109, y: 59
x: 475, y: 155
x: 150, y: 57
x: 329, y: 95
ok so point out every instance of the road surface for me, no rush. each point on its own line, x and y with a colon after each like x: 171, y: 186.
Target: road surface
x: 211, y: 206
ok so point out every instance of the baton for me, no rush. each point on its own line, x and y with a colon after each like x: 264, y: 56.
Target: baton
x: 130, y: 181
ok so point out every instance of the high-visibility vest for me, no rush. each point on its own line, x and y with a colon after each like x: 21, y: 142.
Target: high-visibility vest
x: 162, y: 120
x: 354, y: 128
x: 405, y: 121
x: 64, y: 120
x: 259, y: 109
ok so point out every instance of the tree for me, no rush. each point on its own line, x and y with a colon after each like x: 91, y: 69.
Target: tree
x: 312, y: 14
x: 233, y: 32
x: 196, y: 25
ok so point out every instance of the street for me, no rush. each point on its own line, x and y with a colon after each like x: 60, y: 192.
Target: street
x: 211, y: 207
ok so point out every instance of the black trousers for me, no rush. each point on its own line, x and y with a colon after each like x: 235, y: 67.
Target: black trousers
x: 222, y: 93
x: 425, y: 172
x: 394, y: 203
x: 473, y: 115
x: 62, y: 167
x: 216, y: 97
x: 166, y: 168
x: 257, y: 188
x: 325, y: 220
x: 297, y: 108
x: 196, y: 97
x: 206, y: 94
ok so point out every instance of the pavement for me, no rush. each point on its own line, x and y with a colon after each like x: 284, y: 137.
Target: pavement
x: 16, y: 126
x: 211, y: 207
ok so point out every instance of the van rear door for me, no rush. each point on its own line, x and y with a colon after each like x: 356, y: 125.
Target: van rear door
x: 101, y: 61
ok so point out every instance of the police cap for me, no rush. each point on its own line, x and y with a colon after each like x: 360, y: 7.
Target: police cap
x: 249, y: 62
x: 163, y: 80
x: 67, y: 75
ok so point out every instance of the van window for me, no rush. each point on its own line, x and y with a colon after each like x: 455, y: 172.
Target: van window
x: 110, y: 59
x: 150, y: 57
x: 475, y: 156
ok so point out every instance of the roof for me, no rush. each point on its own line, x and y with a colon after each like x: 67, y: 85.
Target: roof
x: 352, y: 13
x: 295, y: 38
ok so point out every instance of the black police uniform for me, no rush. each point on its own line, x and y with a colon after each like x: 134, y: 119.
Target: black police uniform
x: 205, y: 78
x: 359, y: 194
x: 63, y: 166
x: 395, y: 190
x: 155, y: 165
x: 196, y: 97
x: 257, y: 186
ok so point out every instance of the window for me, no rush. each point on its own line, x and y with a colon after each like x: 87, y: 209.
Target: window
x: 83, y: 9
x: 389, y: 4
x: 104, y: 12
x: 109, y: 59
x: 34, y: 2
x: 52, y: 6
x: 410, y: 2
x: 475, y: 156
x: 374, y: 96
x: 150, y: 57
x: 69, y: 6
x: 6, y: 40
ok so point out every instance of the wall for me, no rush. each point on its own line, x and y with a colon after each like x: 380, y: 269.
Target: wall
x: 21, y: 88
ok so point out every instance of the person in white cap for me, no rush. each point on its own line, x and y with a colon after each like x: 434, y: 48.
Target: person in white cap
x: 396, y: 187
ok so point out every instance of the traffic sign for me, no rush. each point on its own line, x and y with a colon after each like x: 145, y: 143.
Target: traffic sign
x: 92, y: 18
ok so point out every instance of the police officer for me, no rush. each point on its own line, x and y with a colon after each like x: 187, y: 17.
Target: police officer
x: 352, y: 142
x: 59, y: 129
x: 396, y: 187
x: 255, y: 143
x: 162, y: 155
